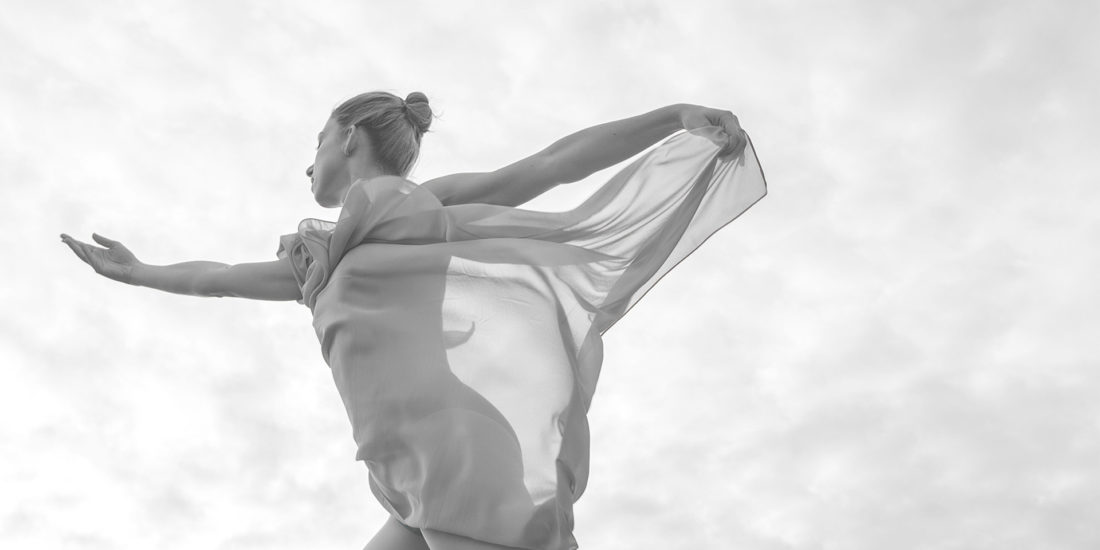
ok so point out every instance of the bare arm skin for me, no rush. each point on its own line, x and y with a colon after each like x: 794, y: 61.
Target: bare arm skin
x: 581, y: 154
x: 257, y: 281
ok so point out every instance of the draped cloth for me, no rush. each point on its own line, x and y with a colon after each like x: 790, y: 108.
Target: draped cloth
x: 465, y: 340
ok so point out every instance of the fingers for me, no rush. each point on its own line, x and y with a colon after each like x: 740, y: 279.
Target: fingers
x: 76, y: 247
x: 735, y: 135
x: 741, y: 142
x: 104, y: 240
x: 735, y: 144
x: 82, y: 250
x: 730, y: 123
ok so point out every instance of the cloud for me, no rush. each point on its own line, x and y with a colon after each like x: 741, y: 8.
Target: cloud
x: 893, y: 349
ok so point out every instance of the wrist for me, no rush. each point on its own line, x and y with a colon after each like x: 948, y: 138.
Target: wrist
x: 679, y: 113
x: 135, y: 275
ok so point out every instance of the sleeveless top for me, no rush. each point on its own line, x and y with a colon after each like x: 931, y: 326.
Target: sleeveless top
x: 466, y: 340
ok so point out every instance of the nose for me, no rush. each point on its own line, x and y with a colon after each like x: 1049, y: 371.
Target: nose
x: 309, y: 171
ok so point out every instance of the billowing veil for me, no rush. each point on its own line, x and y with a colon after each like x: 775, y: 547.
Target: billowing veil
x: 465, y: 340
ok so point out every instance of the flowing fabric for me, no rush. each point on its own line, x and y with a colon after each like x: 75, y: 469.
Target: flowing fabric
x: 466, y: 340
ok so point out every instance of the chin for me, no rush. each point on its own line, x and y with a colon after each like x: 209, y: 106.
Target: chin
x: 322, y: 200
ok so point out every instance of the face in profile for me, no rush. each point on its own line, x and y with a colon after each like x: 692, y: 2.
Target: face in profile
x: 328, y: 175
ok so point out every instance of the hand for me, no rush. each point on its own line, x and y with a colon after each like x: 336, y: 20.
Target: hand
x: 731, y: 139
x: 114, y: 262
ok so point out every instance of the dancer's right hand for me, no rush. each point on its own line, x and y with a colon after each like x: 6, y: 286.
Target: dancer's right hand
x: 721, y: 127
x: 114, y: 262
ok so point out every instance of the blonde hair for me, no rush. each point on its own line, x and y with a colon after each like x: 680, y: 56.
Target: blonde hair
x: 394, y: 125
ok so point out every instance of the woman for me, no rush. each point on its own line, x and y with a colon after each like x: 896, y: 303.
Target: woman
x: 464, y: 334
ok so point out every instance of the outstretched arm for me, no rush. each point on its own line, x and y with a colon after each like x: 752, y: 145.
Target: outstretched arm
x: 581, y: 154
x: 258, y: 281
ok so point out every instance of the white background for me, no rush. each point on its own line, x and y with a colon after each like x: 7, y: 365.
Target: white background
x: 896, y: 348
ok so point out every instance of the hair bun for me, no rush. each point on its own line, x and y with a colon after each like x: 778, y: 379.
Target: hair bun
x: 418, y: 111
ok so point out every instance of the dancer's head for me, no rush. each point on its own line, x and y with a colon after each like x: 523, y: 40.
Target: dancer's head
x: 371, y: 134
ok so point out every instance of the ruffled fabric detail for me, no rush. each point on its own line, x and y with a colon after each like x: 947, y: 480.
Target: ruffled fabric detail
x: 465, y: 340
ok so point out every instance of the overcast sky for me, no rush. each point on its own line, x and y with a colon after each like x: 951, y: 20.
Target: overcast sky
x: 896, y: 348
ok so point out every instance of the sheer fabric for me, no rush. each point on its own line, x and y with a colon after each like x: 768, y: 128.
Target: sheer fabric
x: 465, y: 340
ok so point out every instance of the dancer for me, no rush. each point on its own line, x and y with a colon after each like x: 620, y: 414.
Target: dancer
x: 464, y: 334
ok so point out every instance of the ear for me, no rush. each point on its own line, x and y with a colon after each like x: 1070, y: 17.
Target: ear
x: 350, y: 143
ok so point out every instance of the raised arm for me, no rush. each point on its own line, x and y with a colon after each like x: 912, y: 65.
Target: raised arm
x: 581, y: 154
x: 258, y: 281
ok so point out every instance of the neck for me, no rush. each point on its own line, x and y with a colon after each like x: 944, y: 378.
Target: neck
x: 363, y: 171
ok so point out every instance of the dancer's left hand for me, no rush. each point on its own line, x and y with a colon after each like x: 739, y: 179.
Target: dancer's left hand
x: 734, y: 139
x: 114, y: 262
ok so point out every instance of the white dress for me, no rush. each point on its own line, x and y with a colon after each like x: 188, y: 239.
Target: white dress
x: 465, y: 340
